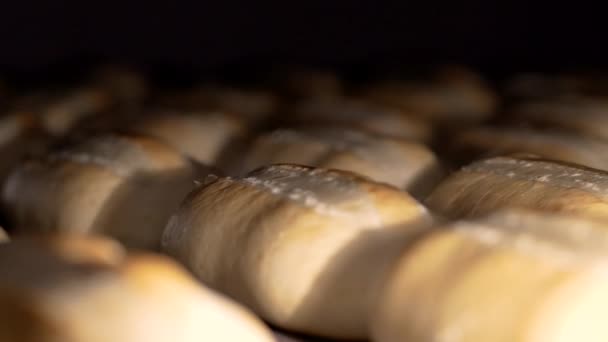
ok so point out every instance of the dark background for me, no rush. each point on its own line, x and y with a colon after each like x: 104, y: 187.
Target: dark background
x: 184, y: 38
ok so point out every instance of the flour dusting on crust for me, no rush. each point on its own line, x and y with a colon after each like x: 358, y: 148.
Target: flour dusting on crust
x: 319, y: 189
x: 117, y: 153
x: 538, y: 170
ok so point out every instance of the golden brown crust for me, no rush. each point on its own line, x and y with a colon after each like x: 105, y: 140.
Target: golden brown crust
x: 20, y: 137
x: 246, y: 236
x: 362, y: 115
x: 532, y: 183
x: 122, y: 153
x: 59, y: 112
x: 201, y: 136
x: 311, y: 83
x: 497, y: 280
x: 552, y: 145
x: 120, y: 185
x: 252, y: 105
x: 53, y: 287
x: 453, y: 96
x: 404, y: 164
x: 583, y: 115
x: 78, y: 249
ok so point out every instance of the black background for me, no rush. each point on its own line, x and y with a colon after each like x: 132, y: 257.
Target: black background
x: 50, y: 38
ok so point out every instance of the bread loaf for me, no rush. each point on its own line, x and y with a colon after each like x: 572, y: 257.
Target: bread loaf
x: 70, y: 289
x: 524, y: 182
x: 127, y: 87
x: 305, y: 248
x: 537, y: 86
x: 509, y: 278
x: 3, y: 235
x: 587, y: 116
x: 404, y: 164
x: 359, y: 114
x: 454, y: 95
x: 20, y: 137
x: 58, y: 112
x: 310, y: 83
x: 201, y: 136
x: 252, y: 105
x: 561, y: 146
x: 120, y: 185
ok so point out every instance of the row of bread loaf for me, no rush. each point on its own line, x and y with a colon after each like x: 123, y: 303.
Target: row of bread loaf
x: 329, y: 252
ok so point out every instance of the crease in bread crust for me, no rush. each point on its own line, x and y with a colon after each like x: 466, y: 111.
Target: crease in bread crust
x: 367, y: 146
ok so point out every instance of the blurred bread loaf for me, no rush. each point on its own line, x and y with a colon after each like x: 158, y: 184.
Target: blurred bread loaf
x: 58, y: 112
x: 487, y: 141
x: 205, y: 136
x: 74, y: 289
x: 453, y: 95
x: 587, y: 116
x: 3, y: 235
x: 516, y: 276
x: 252, y: 105
x: 20, y: 137
x: 401, y: 163
x: 359, y: 114
x: 310, y: 83
x: 120, y: 185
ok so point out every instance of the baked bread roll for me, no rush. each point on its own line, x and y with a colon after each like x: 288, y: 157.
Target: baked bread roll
x: 305, y: 248
x: 454, y: 95
x: 510, y: 278
x: 76, y: 290
x: 489, y: 141
x: 310, y: 83
x: 20, y: 137
x: 204, y: 137
x: 120, y: 185
x: 127, y: 86
x: 403, y: 164
x: 251, y: 105
x: 59, y: 112
x: 587, y: 116
x: 524, y: 182
x: 534, y: 86
x: 359, y: 114
x: 3, y: 235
